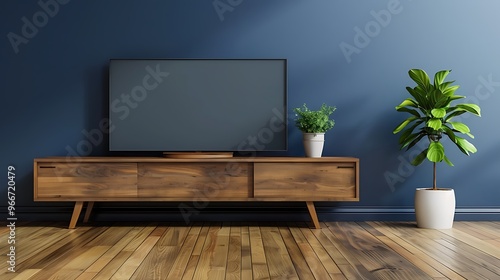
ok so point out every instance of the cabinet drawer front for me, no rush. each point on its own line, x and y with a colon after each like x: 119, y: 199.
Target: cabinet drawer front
x: 306, y: 181
x: 194, y: 180
x: 86, y: 180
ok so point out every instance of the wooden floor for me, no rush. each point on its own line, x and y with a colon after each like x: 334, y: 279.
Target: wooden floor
x: 340, y: 250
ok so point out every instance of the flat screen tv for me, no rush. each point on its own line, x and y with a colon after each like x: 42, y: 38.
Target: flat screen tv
x: 198, y: 105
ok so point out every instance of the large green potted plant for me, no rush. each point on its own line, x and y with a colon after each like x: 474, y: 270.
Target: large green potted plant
x: 433, y: 115
x: 314, y: 124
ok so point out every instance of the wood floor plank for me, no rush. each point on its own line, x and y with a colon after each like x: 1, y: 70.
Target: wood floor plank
x: 112, y: 267
x: 474, y: 231
x: 327, y: 261
x: 300, y: 264
x: 195, y: 256
x: 116, y: 248
x: 339, y: 250
x: 133, y: 240
x: 427, y: 264
x: 62, y: 255
x: 30, y: 254
x: 375, y: 256
x: 182, y: 260
x: 457, y: 262
x: 246, y: 255
x: 317, y: 268
x: 279, y: 263
x: 398, y: 233
x: 136, y: 258
x: 474, y: 255
x: 40, y: 235
x: 110, y: 236
x: 80, y: 263
x: 26, y: 274
x: 330, y: 248
x: 220, y: 254
x: 233, y: 267
x: 259, y: 261
x: 356, y: 266
x: 158, y: 263
x: 495, y: 243
x: 473, y: 241
x: 212, y: 261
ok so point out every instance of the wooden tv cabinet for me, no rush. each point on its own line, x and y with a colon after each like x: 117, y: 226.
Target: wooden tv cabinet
x: 93, y: 179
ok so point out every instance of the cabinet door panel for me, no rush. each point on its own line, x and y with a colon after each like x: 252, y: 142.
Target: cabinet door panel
x: 306, y: 181
x: 86, y: 180
x: 194, y: 180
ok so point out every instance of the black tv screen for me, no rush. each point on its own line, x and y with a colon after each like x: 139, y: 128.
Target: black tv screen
x: 198, y: 105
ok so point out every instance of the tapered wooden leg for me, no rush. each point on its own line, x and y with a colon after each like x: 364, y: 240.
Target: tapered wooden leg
x: 76, y: 214
x: 312, y: 212
x: 90, y: 205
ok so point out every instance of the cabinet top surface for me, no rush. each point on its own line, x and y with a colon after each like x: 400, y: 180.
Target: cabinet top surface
x: 161, y: 159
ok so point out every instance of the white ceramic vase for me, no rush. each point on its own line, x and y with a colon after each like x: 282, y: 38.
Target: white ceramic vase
x: 435, y: 209
x: 313, y: 144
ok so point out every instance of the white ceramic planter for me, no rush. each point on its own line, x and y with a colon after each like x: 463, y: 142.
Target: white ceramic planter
x: 435, y: 208
x: 313, y: 144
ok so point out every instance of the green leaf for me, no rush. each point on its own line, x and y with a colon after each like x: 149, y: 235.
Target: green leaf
x: 435, y: 152
x: 444, y: 85
x: 434, y: 123
x: 470, y: 135
x: 454, y: 114
x: 408, y: 110
x: 418, y: 95
x: 465, y: 145
x: 460, y: 127
x: 419, y: 158
x: 435, y: 95
x: 455, y: 97
x: 415, y: 141
x: 443, y: 102
x: 406, y: 139
x: 420, y: 77
x: 449, y: 132
x: 448, y: 161
x: 440, y: 76
x: 408, y: 102
x: 406, y: 134
x: 471, y: 108
x: 438, y: 113
x: 404, y: 124
x: 449, y: 91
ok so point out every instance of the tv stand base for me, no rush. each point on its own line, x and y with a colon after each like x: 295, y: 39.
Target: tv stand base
x: 88, y: 180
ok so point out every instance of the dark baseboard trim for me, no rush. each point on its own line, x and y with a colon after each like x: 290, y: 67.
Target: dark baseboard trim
x: 295, y: 212
x: 404, y: 214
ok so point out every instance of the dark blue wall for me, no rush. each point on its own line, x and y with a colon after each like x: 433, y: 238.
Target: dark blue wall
x: 351, y: 54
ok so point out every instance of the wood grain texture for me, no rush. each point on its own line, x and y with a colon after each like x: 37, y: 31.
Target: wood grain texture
x: 234, y: 256
x: 194, y: 180
x: 278, y: 260
x: 82, y: 180
x: 312, y: 213
x: 340, y: 250
x: 76, y: 214
x: 376, y: 258
x: 306, y: 181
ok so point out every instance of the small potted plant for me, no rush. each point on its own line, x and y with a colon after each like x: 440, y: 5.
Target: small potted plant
x: 314, y: 125
x: 432, y: 117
